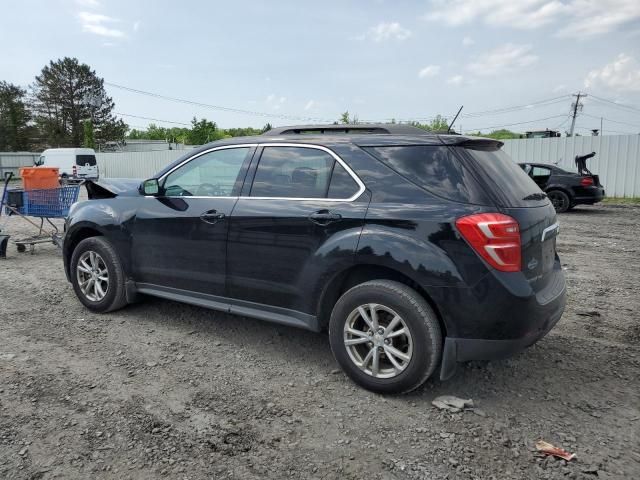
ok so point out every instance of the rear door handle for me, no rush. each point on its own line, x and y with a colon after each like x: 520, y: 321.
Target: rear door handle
x: 324, y: 217
x: 212, y: 216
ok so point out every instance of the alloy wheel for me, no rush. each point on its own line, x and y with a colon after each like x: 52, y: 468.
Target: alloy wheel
x: 378, y: 340
x: 559, y: 202
x: 93, y: 276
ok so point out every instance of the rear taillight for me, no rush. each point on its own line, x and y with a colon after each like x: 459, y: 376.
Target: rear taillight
x: 74, y: 171
x: 496, y: 238
x: 586, y: 181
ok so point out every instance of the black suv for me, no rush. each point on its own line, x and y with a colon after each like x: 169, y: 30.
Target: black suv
x: 415, y: 251
x: 565, y: 189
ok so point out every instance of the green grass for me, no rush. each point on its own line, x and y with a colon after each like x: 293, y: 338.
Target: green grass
x: 622, y: 200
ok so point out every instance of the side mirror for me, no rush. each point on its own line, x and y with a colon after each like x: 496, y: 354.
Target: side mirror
x: 150, y: 187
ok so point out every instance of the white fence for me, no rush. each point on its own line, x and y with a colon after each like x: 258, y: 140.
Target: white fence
x: 616, y: 160
x: 12, y: 161
x: 135, y: 164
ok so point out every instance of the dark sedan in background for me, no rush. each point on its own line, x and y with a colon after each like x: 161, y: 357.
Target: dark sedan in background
x: 565, y: 189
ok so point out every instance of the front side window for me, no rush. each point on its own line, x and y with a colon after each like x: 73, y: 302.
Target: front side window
x: 213, y: 174
x: 292, y: 172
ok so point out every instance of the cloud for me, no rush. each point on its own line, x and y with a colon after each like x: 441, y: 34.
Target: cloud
x: 468, y: 41
x: 275, y: 102
x: 503, y: 59
x: 136, y: 25
x: 429, y: 71
x: 455, y: 80
x: 560, y: 88
x: 386, y: 31
x: 88, y: 3
x: 310, y: 104
x: 95, y: 23
x: 593, y: 17
x: 520, y: 14
x: 574, y: 18
x: 623, y: 74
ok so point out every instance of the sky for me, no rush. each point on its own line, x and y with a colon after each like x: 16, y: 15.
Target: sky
x: 296, y: 62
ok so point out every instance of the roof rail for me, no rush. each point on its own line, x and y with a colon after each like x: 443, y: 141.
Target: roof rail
x: 360, y: 128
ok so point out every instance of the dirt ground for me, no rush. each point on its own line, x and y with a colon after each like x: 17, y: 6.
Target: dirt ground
x: 164, y: 390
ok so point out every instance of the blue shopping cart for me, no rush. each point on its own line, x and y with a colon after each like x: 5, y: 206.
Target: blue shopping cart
x: 42, y: 204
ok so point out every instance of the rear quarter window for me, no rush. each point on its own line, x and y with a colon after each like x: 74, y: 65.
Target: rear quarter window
x: 512, y: 184
x: 434, y: 168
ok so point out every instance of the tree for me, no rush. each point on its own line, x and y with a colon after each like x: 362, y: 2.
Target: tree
x: 346, y: 118
x: 65, y: 94
x: 203, y: 131
x: 89, y: 140
x: 438, y: 124
x: 14, y: 118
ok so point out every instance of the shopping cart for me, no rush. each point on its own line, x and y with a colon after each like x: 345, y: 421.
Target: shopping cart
x: 42, y: 204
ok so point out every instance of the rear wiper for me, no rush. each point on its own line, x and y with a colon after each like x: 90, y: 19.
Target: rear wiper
x: 536, y: 196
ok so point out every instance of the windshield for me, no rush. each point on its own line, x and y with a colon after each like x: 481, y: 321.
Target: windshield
x: 514, y: 185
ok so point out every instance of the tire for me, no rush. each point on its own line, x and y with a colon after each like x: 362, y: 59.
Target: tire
x: 21, y: 248
x: 113, y: 289
x: 423, y: 345
x: 560, y: 200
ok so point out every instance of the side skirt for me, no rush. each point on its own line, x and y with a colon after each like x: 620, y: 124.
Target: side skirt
x: 260, y: 311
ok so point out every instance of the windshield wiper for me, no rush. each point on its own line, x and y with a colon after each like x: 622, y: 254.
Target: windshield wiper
x: 536, y: 196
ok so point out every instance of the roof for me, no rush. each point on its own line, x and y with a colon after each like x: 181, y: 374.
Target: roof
x: 366, y: 128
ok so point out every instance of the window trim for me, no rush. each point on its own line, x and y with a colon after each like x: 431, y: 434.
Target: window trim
x: 361, y: 187
x: 187, y: 160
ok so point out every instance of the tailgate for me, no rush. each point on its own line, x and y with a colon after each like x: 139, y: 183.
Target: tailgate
x: 538, y: 231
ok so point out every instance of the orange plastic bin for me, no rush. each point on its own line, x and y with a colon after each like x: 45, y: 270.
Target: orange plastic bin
x: 39, y: 178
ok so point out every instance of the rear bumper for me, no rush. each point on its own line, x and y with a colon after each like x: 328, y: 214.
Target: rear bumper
x: 589, y: 195
x: 535, y: 317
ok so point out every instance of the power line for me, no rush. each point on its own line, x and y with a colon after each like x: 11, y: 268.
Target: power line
x: 613, y: 121
x: 616, y: 104
x: 214, y: 107
x: 498, y: 111
x: 517, y: 123
x: 149, y: 118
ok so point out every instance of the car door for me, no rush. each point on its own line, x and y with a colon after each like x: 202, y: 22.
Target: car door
x: 298, y: 220
x: 540, y: 175
x: 179, y: 237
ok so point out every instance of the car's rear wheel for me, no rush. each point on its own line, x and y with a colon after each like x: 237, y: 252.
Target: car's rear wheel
x: 97, y: 275
x: 385, y: 336
x: 560, y: 200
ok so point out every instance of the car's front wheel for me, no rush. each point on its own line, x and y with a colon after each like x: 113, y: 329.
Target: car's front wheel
x: 97, y: 275
x: 385, y: 336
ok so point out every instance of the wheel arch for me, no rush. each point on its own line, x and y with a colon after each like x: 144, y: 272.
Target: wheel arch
x: 72, y: 239
x: 361, y: 273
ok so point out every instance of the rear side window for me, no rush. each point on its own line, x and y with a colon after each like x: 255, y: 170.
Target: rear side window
x: 434, y: 168
x: 342, y: 184
x: 513, y: 184
x: 83, y: 160
x: 292, y: 172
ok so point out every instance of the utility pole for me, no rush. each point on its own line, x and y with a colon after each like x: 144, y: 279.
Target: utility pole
x: 575, y: 106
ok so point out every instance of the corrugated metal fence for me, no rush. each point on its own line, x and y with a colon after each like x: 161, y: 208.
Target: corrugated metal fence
x: 616, y: 160
x: 12, y: 161
x: 135, y: 164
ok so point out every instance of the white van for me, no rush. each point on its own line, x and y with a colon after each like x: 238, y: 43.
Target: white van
x: 74, y: 163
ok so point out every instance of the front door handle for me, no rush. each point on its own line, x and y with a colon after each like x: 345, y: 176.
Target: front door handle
x: 212, y: 216
x: 324, y: 217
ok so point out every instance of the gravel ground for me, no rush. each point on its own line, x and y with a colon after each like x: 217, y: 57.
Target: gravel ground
x: 164, y: 390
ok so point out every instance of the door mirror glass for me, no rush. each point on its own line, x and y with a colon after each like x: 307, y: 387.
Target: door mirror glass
x: 150, y: 187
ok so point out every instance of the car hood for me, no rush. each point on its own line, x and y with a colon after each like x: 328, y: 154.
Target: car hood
x: 113, y: 187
